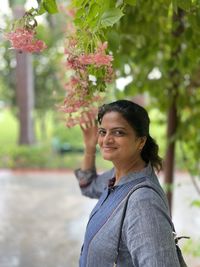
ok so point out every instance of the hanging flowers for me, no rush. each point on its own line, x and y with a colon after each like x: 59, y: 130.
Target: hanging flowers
x: 23, y: 36
x: 24, y: 41
x: 86, y: 86
x: 87, y: 60
x: 91, y: 71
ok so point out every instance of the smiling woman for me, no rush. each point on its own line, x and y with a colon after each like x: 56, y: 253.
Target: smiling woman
x: 115, y: 136
x: 130, y: 225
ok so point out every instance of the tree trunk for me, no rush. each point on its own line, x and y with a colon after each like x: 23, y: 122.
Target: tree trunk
x: 172, y: 120
x: 24, y: 91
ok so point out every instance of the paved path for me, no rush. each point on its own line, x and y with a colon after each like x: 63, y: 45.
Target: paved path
x: 43, y: 217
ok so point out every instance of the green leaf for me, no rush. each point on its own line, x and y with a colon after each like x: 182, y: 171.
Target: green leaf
x: 110, y: 17
x: 196, y: 203
x: 131, y: 2
x: 80, y: 12
x: 50, y: 6
x: 80, y: 3
x: 94, y: 10
x: 184, y: 4
x: 41, y: 10
x: 114, y: 40
x: 175, y: 6
x: 188, y: 34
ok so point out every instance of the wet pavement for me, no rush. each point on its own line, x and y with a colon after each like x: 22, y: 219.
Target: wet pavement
x: 43, y: 217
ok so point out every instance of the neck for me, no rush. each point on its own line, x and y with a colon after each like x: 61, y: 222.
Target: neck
x: 122, y: 169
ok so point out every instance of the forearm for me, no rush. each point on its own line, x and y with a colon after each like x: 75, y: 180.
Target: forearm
x: 89, y: 157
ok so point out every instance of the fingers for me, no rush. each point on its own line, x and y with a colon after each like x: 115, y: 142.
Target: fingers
x: 89, y: 121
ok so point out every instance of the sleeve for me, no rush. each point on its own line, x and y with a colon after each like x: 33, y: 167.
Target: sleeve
x: 147, y: 231
x: 92, y: 184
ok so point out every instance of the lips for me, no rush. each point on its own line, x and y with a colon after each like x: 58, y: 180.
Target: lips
x: 108, y: 148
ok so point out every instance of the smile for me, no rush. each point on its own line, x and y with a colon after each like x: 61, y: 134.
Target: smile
x: 108, y: 148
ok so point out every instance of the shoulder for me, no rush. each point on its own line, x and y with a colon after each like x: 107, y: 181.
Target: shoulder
x: 147, y: 210
x: 147, y: 197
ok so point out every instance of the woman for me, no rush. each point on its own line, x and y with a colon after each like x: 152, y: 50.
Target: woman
x: 130, y: 225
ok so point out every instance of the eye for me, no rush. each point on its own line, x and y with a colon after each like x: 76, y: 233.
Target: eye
x: 101, y: 132
x: 118, y: 133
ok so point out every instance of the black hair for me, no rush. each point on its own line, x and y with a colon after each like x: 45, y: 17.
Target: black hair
x: 138, y: 119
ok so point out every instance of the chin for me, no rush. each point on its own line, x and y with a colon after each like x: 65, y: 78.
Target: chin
x: 107, y: 157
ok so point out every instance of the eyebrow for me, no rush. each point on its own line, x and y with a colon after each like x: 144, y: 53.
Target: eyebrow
x: 115, y: 128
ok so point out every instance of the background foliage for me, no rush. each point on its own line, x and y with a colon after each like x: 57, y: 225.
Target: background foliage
x: 143, y: 38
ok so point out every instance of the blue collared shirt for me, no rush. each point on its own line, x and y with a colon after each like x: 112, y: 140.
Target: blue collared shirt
x: 146, y: 239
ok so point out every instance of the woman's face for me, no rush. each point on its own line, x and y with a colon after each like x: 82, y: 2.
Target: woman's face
x: 117, y: 140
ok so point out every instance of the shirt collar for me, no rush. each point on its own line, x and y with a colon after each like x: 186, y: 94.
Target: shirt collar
x: 147, y: 171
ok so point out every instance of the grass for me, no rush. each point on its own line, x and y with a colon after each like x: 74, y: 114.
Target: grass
x: 9, y: 128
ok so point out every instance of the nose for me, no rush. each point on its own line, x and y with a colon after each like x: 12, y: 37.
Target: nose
x: 108, y: 139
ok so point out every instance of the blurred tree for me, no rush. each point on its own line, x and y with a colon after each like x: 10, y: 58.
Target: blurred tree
x: 161, y: 47
x: 24, y: 86
x: 48, y: 71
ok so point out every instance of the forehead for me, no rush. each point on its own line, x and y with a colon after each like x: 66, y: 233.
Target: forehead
x: 114, y: 119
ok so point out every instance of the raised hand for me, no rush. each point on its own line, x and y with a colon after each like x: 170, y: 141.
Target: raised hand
x: 90, y: 134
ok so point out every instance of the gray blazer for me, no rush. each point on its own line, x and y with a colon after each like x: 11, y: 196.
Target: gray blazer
x: 146, y: 239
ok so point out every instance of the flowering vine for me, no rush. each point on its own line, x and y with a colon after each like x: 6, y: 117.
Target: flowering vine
x: 23, y: 35
x: 87, y: 59
x: 90, y: 72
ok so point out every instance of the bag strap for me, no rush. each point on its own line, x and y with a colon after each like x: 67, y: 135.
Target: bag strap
x: 124, y: 213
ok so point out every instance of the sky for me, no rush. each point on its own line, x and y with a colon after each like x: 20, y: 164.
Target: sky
x: 5, y: 7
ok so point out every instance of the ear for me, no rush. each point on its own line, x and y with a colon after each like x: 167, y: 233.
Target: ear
x: 143, y: 140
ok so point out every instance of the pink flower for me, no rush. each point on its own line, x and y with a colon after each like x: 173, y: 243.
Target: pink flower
x: 70, y: 122
x: 86, y: 59
x: 102, y: 47
x: 66, y: 10
x: 70, y: 28
x: 98, y: 59
x: 74, y: 80
x: 102, y: 59
x: 71, y: 12
x: 24, y: 40
x: 109, y: 75
x: 72, y: 42
x: 73, y: 62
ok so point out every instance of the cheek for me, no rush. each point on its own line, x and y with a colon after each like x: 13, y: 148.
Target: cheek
x: 129, y: 146
x: 100, y: 140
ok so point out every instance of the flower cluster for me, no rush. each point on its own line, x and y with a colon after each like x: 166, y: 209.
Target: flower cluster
x: 24, y: 40
x: 84, y: 89
x: 23, y: 35
x: 90, y: 71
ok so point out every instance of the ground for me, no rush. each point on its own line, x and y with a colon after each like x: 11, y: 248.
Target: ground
x: 43, y: 217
